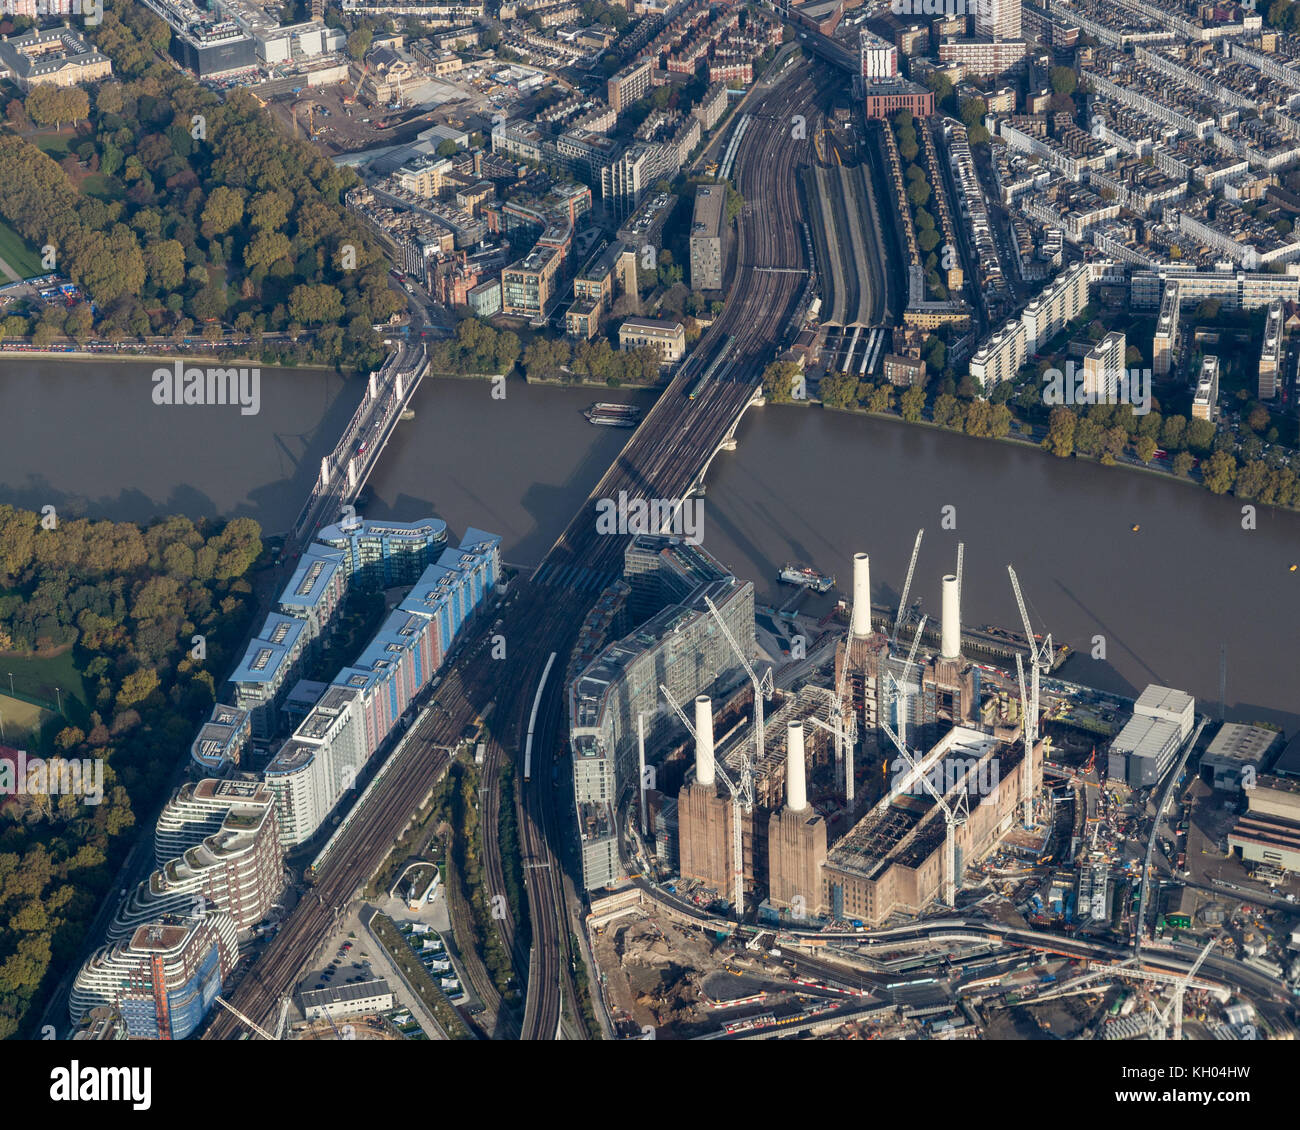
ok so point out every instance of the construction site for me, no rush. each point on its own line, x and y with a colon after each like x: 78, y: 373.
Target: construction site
x: 863, y: 799
x: 882, y: 838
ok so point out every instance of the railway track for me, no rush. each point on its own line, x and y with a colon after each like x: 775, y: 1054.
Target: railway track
x: 660, y: 460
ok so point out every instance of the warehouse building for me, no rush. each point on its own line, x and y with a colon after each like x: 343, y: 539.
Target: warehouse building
x: 1237, y: 754
x: 1143, y: 750
x: 338, y: 1001
x: 1269, y: 832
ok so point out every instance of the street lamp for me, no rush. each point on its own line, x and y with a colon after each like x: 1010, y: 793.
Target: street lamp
x: 59, y: 697
x: 11, y: 682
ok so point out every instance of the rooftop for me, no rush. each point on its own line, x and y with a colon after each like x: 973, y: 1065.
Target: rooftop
x: 341, y: 994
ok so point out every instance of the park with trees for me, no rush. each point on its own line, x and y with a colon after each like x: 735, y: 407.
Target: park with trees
x: 132, y: 622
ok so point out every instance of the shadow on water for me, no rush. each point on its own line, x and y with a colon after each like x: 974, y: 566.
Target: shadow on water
x: 88, y: 439
x: 804, y: 484
x: 819, y: 486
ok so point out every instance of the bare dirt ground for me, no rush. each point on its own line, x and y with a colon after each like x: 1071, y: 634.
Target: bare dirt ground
x: 655, y: 972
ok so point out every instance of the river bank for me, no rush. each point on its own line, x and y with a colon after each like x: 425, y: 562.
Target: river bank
x: 814, y: 487
x: 122, y: 358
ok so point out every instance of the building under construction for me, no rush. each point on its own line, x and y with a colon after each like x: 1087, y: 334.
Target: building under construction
x: 678, y: 643
x: 790, y: 792
x: 897, y: 859
x: 923, y: 697
x: 797, y: 760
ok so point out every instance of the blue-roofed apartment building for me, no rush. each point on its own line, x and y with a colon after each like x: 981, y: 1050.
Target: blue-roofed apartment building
x: 317, y: 588
x: 369, y: 697
x: 270, y: 666
x: 371, y: 554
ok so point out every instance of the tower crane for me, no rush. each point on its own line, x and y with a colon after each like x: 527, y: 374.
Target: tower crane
x: 762, y: 687
x: 230, y: 1008
x: 954, y: 815
x: 742, y: 797
x: 1175, y: 1006
x: 845, y: 733
x: 1041, y: 658
x: 284, y: 1015
x: 901, y: 690
x: 907, y: 588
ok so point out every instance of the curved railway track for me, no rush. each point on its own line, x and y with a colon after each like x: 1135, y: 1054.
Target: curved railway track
x: 660, y: 460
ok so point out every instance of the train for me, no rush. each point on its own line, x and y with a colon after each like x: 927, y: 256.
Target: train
x: 709, y: 373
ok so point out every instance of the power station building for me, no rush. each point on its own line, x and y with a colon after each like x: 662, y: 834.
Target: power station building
x: 933, y: 691
x: 893, y: 860
x: 677, y: 644
x: 798, y: 838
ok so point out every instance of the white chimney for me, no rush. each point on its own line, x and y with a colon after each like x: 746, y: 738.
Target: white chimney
x: 796, y: 790
x: 860, y: 621
x: 703, y: 740
x: 950, y: 629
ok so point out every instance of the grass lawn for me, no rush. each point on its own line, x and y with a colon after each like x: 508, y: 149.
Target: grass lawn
x: 38, y: 678
x: 20, y: 720
x: 17, y: 254
x: 101, y: 187
x: 53, y: 144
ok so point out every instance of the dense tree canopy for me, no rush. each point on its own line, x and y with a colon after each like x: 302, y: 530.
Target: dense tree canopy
x: 209, y: 211
x: 127, y: 601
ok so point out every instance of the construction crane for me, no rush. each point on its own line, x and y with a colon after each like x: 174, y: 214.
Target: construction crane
x: 362, y: 71
x: 901, y: 691
x: 230, y: 1008
x: 1041, y: 658
x: 742, y: 798
x: 954, y: 815
x: 762, y: 687
x: 845, y: 735
x: 1179, y: 982
x: 907, y: 588
x: 1175, y: 1006
x: 284, y: 1015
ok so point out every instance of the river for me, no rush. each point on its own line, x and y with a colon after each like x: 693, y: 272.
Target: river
x: 804, y: 485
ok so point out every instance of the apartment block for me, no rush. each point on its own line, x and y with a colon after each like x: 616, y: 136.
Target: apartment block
x: 528, y: 286
x: 163, y: 981
x: 999, y: 358
x: 630, y: 84
x: 1103, y: 366
x: 1205, y: 401
x: 1270, y: 353
x: 1165, y: 342
x: 236, y: 870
